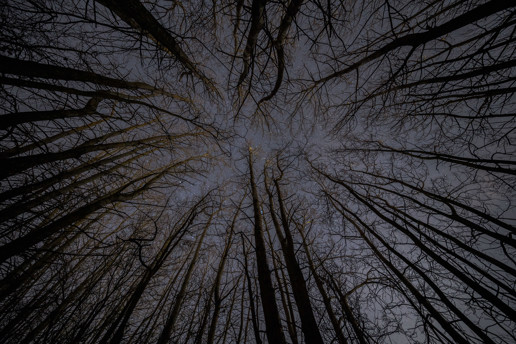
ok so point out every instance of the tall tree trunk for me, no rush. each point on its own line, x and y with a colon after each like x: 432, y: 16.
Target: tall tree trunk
x: 178, y: 302
x: 299, y: 288
x: 270, y: 308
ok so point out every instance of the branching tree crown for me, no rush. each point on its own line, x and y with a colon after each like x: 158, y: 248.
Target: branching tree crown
x: 257, y: 171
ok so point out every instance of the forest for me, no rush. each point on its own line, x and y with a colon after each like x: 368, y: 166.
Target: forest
x: 253, y: 171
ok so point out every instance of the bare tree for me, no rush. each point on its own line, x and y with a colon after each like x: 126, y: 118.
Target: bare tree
x: 257, y: 171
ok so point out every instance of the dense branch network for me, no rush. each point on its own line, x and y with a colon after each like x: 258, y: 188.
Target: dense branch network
x: 257, y: 171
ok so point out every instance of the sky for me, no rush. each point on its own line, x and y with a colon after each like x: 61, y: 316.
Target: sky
x: 422, y: 130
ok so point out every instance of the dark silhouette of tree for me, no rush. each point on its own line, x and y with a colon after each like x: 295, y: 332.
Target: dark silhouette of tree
x: 257, y: 171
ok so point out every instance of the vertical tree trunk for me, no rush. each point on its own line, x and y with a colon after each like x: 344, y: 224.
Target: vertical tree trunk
x: 320, y: 286
x: 270, y: 308
x: 166, y: 332
x: 299, y: 288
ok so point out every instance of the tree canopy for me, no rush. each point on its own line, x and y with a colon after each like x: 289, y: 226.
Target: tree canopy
x: 257, y: 171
